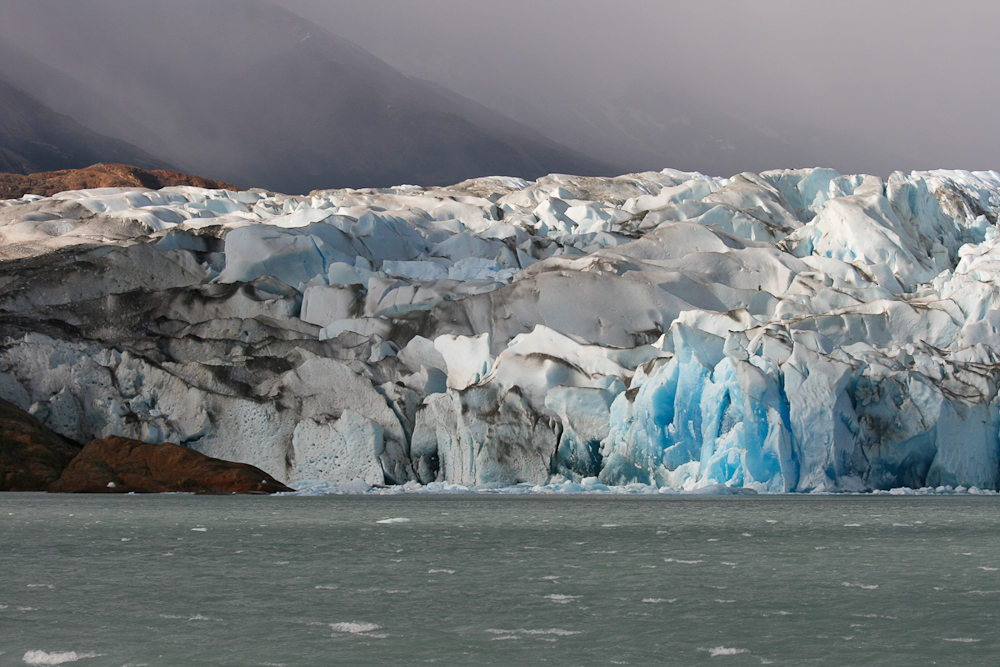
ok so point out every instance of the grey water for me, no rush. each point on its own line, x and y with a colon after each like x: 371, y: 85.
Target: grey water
x: 498, y: 580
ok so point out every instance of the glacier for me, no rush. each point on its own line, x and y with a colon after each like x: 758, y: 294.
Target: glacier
x: 788, y: 331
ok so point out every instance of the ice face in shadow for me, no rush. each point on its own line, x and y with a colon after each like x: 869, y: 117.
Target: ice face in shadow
x: 788, y: 331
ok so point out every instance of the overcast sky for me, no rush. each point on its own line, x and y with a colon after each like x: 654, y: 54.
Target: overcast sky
x: 914, y: 78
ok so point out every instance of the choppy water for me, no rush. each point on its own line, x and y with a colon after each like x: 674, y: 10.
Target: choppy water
x: 488, y: 580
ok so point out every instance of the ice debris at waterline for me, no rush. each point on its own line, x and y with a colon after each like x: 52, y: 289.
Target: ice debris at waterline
x: 783, y: 331
x: 586, y: 486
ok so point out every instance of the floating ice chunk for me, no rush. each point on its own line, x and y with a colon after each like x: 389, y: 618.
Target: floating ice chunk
x: 355, y: 486
x: 720, y: 490
x: 308, y: 488
x: 43, y: 658
x: 559, y: 632
x: 354, y: 627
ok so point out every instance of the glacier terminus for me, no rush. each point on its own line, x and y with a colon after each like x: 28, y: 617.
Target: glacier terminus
x: 788, y: 331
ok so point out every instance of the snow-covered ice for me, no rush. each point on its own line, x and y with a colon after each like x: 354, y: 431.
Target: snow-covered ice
x: 794, y: 330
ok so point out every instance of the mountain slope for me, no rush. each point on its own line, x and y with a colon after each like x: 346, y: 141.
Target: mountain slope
x: 34, y: 138
x: 638, y: 122
x: 246, y: 92
x: 67, y: 96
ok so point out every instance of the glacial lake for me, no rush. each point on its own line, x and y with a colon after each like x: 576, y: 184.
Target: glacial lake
x: 498, y: 580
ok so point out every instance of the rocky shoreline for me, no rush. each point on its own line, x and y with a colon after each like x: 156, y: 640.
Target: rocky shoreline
x: 36, y: 458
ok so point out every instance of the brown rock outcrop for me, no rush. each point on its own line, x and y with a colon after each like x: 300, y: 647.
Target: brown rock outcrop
x: 32, y: 456
x: 103, y: 175
x: 121, y: 465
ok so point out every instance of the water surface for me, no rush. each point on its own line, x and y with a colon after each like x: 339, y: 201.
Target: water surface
x: 499, y: 580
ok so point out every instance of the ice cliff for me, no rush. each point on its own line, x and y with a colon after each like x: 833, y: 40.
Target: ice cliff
x: 785, y: 331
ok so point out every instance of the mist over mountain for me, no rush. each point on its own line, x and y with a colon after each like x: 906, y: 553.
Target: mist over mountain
x: 636, y: 121
x: 255, y: 94
x: 859, y: 86
x: 639, y: 126
x: 245, y: 92
x: 69, y: 97
x: 35, y: 138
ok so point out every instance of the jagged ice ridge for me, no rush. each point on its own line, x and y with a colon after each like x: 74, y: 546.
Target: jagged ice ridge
x: 786, y: 331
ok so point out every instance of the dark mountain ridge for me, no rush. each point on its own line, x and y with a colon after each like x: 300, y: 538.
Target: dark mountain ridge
x: 34, y: 138
x: 254, y: 95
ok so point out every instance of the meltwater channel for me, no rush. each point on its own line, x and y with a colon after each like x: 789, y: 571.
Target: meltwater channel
x: 498, y: 580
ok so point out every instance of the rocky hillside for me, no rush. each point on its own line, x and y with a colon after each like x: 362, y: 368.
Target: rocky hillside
x: 14, y: 186
x: 35, y: 458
